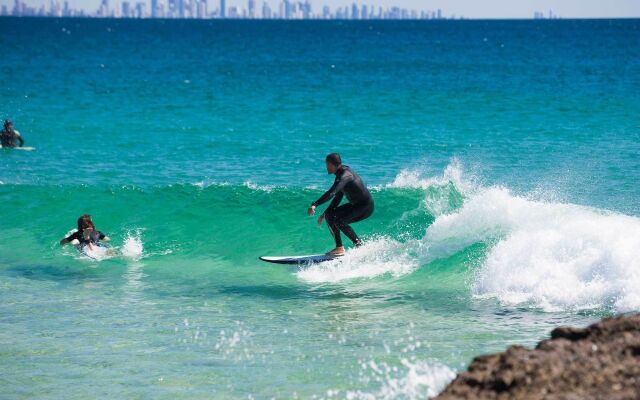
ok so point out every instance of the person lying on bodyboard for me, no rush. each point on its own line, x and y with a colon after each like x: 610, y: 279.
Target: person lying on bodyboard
x: 86, y: 235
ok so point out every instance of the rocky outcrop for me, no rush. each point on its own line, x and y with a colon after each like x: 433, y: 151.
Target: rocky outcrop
x: 601, y: 361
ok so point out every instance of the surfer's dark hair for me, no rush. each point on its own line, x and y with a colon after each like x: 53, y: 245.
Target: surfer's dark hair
x: 85, y: 222
x: 334, y: 159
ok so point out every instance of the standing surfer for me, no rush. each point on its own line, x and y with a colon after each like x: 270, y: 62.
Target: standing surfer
x: 359, y: 207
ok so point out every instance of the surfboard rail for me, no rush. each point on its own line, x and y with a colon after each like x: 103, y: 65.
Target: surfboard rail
x: 298, y: 260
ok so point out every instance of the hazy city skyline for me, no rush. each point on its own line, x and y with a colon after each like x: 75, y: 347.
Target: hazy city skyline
x: 199, y: 9
x: 457, y: 8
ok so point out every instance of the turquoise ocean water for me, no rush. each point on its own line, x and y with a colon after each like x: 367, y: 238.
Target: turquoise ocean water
x: 504, y: 158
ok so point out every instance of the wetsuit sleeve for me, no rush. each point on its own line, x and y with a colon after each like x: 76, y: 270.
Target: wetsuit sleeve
x: 336, y: 201
x: 20, y: 139
x: 74, y: 235
x: 337, y: 187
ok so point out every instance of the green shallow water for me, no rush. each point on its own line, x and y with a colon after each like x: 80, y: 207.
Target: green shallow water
x: 195, y: 314
x: 503, y: 157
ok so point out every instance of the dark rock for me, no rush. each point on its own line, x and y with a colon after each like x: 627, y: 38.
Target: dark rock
x: 601, y: 361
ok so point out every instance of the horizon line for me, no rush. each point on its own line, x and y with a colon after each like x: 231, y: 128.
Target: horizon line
x: 326, y: 19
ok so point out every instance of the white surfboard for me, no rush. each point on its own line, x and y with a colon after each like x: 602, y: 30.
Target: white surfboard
x: 298, y: 260
x: 27, y: 148
x: 98, y: 251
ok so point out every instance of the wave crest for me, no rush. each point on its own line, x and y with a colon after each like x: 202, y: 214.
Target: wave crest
x: 548, y: 255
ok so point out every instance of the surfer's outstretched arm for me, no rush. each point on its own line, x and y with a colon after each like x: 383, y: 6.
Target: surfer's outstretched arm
x: 335, y: 189
x: 69, y: 238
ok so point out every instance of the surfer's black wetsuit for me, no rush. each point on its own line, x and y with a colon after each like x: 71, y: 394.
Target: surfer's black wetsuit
x: 359, y: 207
x: 94, y: 237
x: 8, y: 138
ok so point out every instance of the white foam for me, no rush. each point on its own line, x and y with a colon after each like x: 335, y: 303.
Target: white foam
x: 132, y: 246
x: 377, y: 257
x: 255, y: 186
x: 438, y: 190
x: 209, y: 183
x: 547, y: 255
x: 453, y: 173
x: 558, y: 256
x: 420, y: 380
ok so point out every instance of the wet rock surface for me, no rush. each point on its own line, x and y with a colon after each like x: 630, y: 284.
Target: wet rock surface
x: 601, y: 361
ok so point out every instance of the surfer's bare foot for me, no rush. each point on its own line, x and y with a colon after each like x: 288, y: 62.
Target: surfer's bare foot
x: 338, y: 251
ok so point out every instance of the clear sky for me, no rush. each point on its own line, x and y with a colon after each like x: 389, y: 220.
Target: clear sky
x: 467, y: 8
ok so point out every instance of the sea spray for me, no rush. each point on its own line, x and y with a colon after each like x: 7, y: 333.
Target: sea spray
x: 442, y: 194
x: 548, y: 255
x: 559, y: 256
x: 132, y: 246
x: 415, y: 380
x: 377, y: 257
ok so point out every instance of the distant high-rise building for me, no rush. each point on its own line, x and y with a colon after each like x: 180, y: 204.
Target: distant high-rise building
x: 154, y: 8
x: 180, y: 8
x: 363, y: 13
x: 140, y: 10
x: 171, y: 9
x: 126, y: 9
x: 103, y: 10
x: 288, y: 9
x: 223, y: 9
x: 266, y: 11
x: 355, y: 14
x: 326, y: 12
x: 201, y: 9
x: 251, y: 8
x: 16, y: 8
x: 54, y: 8
x: 439, y: 15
